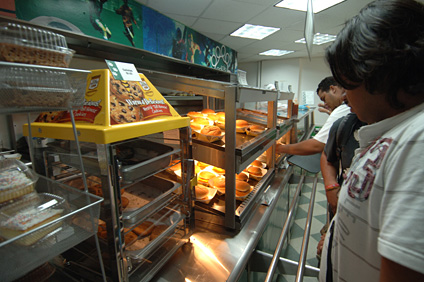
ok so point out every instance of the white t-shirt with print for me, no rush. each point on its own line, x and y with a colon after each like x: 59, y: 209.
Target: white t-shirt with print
x: 338, y: 112
x: 381, y: 204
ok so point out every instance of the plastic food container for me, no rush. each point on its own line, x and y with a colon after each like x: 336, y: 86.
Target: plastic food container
x: 31, y: 87
x: 31, y: 218
x: 16, y: 180
x: 28, y: 45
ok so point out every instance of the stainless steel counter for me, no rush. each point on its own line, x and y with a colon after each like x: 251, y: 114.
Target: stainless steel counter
x: 217, y: 254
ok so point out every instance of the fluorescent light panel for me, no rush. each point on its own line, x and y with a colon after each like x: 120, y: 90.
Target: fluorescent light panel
x: 301, y: 5
x: 319, y: 39
x: 254, y: 31
x: 276, y: 52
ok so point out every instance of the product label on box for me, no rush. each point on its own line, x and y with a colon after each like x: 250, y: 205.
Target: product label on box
x: 109, y: 101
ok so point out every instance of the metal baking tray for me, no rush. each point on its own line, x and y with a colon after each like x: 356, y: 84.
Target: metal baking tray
x: 143, y: 158
x: 152, y: 193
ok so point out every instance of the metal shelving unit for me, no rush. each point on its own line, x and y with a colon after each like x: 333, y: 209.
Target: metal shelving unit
x: 78, y: 221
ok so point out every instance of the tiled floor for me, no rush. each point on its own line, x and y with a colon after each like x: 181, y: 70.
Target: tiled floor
x: 318, y: 221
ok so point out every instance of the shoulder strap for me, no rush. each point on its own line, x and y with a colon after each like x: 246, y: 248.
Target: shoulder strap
x: 345, y: 129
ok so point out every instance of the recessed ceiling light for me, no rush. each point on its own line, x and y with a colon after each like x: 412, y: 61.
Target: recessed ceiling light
x: 301, y: 5
x: 254, y: 31
x: 275, y: 52
x: 319, y: 39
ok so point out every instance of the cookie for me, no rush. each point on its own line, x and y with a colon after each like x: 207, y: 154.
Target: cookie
x: 121, y: 112
x: 50, y: 116
x: 124, y: 90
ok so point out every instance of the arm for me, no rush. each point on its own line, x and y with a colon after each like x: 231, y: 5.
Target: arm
x: 306, y: 147
x: 329, y: 174
x: 391, y: 271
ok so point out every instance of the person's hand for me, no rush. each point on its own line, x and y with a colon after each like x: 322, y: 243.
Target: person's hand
x: 279, y: 149
x: 323, y: 108
x: 332, y: 199
x: 320, y: 244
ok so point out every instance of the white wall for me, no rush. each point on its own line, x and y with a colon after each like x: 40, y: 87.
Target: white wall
x: 302, y: 74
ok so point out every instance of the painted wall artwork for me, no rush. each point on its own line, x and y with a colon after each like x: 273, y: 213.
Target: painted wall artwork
x: 127, y: 22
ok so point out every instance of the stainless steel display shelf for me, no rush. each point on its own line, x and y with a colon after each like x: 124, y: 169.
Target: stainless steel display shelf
x: 77, y: 223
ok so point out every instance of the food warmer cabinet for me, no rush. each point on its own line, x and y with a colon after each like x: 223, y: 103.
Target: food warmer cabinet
x: 147, y: 213
x: 236, y: 151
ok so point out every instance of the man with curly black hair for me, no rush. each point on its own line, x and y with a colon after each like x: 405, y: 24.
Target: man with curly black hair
x: 377, y: 232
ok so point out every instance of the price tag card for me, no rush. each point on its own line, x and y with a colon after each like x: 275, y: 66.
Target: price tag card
x: 123, y: 71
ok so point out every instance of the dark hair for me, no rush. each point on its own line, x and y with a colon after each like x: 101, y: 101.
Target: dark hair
x: 325, y: 84
x: 383, y: 48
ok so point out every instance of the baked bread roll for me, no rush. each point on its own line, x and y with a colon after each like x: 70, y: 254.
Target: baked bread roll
x: 241, y: 123
x: 242, y: 186
x: 218, y: 170
x: 253, y: 170
x: 204, y: 176
x: 201, y: 192
x: 194, y: 114
x: 201, y: 121
x: 208, y: 111
x: 195, y: 126
x: 202, y: 165
x: 242, y: 176
x: 257, y: 163
x: 211, y: 130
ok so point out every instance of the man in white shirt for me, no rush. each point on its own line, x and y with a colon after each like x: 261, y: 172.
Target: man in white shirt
x: 331, y: 93
x: 377, y: 232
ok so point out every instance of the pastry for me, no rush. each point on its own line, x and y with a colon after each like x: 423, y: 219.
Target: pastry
x: 218, y: 170
x: 202, y: 192
x: 204, y: 176
x: 28, y: 219
x: 121, y: 112
x: 30, y: 55
x: 208, y: 111
x: 242, y: 176
x: 144, y: 229
x: 125, y: 202
x: 201, y: 121
x: 14, y: 182
x: 130, y: 237
x: 159, y: 229
x: 255, y: 171
x: 211, y: 130
x: 194, y: 114
x: 257, y: 163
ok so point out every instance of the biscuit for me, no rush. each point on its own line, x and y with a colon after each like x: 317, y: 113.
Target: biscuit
x: 121, y: 112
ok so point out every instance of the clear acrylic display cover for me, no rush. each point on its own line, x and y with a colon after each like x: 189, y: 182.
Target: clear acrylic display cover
x: 16, y: 180
x: 26, y: 87
x: 29, y: 45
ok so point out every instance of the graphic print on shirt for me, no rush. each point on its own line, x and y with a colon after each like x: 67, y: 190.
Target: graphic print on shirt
x: 362, y: 175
